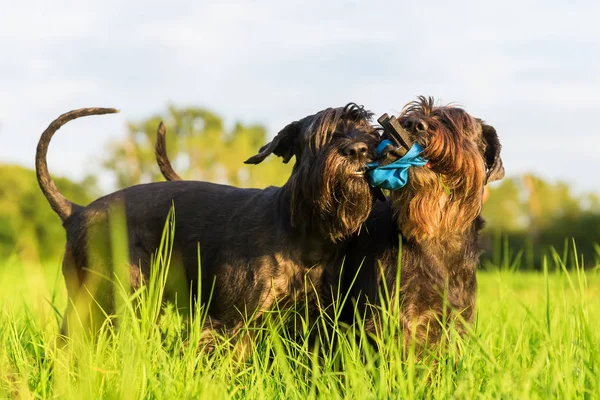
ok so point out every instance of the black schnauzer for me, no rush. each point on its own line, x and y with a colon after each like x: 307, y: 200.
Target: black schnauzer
x: 258, y: 247
x: 437, y: 218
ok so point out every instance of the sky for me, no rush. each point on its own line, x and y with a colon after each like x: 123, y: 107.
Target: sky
x: 529, y: 68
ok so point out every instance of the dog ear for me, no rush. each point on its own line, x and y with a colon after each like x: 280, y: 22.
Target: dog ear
x: 493, y: 162
x: 282, y: 145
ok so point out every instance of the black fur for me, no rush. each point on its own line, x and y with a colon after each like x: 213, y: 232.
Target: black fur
x: 257, y: 247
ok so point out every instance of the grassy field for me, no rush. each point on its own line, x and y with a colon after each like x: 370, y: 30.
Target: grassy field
x: 535, y: 336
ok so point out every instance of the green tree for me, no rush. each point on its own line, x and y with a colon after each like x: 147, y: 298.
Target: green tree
x: 199, y: 147
x: 28, y: 226
x: 534, y: 215
x: 504, y: 210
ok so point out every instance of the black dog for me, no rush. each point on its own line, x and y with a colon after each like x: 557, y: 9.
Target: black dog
x: 437, y: 217
x: 257, y: 247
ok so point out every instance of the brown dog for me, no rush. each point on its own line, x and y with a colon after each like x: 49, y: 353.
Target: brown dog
x: 437, y: 218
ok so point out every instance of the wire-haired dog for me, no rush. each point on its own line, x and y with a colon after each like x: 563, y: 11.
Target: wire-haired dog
x: 258, y: 247
x: 437, y: 217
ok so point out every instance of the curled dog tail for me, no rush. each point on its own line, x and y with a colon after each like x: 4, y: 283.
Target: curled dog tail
x: 58, y: 202
x: 161, y: 155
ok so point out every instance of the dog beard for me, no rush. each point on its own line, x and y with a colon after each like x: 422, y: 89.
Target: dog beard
x: 330, y: 195
x: 344, y: 198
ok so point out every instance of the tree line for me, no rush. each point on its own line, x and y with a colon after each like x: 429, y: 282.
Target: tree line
x: 526, y: 216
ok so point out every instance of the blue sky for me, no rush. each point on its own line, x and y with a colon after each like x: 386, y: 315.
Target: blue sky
x: 531, y: 69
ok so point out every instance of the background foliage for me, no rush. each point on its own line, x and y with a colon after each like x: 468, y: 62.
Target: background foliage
x: 523, y: 212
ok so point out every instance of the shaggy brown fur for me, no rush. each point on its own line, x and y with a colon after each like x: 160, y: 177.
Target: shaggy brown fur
x: 437, y: 217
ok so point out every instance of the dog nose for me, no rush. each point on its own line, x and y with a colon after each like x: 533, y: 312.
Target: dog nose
x: 355, y: 150
x: 414, y: 124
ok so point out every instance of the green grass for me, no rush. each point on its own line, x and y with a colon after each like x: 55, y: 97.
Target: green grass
x: 535, y: 336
